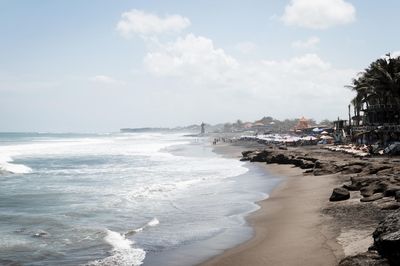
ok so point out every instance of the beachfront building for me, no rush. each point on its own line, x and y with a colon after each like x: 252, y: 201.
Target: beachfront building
x: 261, y: 128
x: 377, y: 103
x: 377, y: 123
x: 302, y: 124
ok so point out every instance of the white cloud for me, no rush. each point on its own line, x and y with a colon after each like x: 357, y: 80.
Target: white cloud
x: 204, y: 75
x: 206, y: 83
x: 192, y: 56
x: 310, y: 43
x: 140, y: 22
x: 318, y: 14
x: 103, y: 79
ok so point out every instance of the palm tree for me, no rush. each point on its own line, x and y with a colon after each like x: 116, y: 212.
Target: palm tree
x: 378, y: 84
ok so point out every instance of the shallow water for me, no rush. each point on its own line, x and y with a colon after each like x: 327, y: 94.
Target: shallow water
x: 121, y: 199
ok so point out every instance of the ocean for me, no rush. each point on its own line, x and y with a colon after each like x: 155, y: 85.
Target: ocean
x: 122, y: 199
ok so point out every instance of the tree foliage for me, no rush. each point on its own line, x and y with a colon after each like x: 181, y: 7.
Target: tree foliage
x: 379, y: 83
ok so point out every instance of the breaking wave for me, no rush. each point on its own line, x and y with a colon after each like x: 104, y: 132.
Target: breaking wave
x: 7, y: 166
x: 152, y: 223
x: 122, y: 254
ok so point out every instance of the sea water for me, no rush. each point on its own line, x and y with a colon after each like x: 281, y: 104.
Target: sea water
x: 121, y: 199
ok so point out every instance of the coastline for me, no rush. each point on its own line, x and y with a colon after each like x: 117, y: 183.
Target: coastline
x: 289, y: 228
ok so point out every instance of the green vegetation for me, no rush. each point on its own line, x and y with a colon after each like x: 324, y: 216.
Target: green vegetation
x: 379, y: 84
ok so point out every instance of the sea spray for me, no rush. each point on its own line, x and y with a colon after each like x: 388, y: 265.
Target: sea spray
x: 123, y: 254
x: 152, y: 223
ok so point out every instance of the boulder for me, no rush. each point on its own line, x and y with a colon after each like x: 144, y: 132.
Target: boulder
x: 391, y: 190
x: 387, y: 238
x: 339, y: 194
x: 397, y: 196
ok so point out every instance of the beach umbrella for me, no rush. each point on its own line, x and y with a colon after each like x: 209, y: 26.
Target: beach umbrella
x: 309, y: 138
x: 326, y: 137
x: 317, y: 129
x: 324, y: 133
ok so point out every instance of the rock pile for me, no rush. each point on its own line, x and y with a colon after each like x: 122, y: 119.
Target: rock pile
x: 387, y: 238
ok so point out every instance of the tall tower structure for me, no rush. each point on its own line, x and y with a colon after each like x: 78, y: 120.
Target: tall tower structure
x: 203, y: 128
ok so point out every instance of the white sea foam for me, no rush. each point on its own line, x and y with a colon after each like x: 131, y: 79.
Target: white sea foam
x: 153, y: 222
x: 7, y: 166
x: 123, y: 254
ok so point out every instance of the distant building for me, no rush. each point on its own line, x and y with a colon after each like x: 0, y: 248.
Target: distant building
x: 303, y: 124
x: 260, y: 127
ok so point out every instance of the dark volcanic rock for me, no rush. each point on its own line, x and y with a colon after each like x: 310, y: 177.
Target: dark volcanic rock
x: 255, y: 156
x: 390, y: 206
x: 260, y: 156
x: 387, y: 238
x: 325, y: 168
x: 306, y: 165
x: 352, y: 169
x: 397, y: 196
x: 391, y: 190
x: 279, y: 159
x: 372, y: 197
x: 246, y: 153
x: 307, y: 159
x: 339, y: 194
x: 364, y: 259
x: 374, y: 187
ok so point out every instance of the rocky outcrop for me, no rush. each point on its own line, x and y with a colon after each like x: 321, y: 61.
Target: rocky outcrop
x: 255, y: 156
x: 278, y: 158
x: 374, y: 187
x: 364, y: 259
x: 325, y: 168
x: 397, y: 196
x: 372, y: 197
x: 387, y: 238
x: 339, y: 194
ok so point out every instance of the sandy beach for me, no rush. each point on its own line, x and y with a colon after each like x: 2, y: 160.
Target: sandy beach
x: 288, y: 228
x: 297, y: 224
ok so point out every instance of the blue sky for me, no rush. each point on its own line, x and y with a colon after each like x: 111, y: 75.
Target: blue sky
x: 102, y: 65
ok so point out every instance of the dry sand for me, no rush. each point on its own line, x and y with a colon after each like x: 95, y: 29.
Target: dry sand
x: 289, y: 228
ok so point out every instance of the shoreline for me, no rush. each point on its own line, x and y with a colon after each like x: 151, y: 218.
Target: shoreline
x: 333, y: 208
x: 288, y: 228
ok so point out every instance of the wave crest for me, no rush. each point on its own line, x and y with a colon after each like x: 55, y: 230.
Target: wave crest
x: 123, y: 254
x: 7, y: 166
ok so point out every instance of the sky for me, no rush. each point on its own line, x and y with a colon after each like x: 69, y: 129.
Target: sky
x: 98, y: 66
